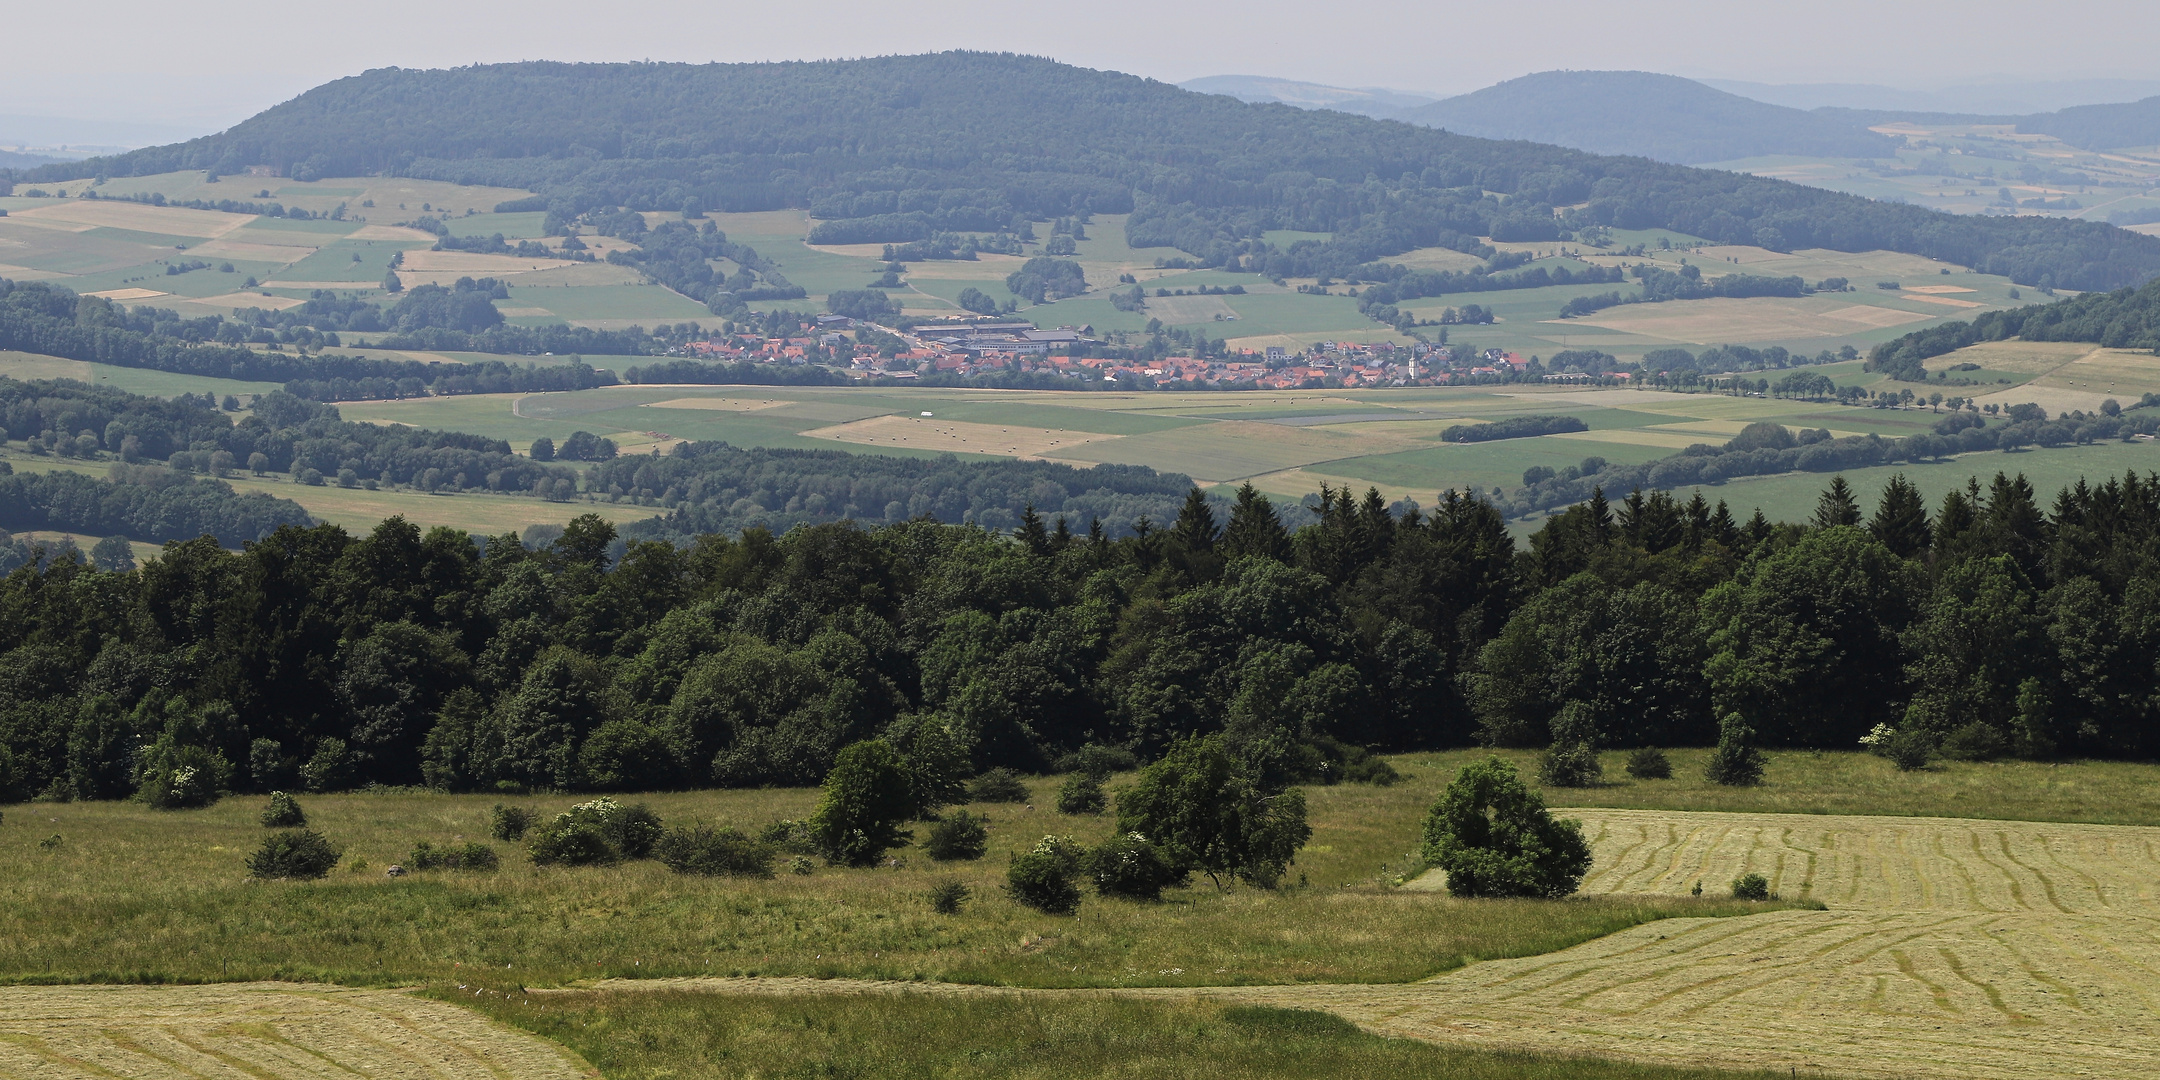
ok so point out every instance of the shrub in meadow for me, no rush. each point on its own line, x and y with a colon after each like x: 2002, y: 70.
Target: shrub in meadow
x: 1043, y: 877
x: 179, y: 777
x: 1494, y: 837
x: 469, y: 856
x: 1210, y: 812
x: 1128, y: 865
x: 283, y: 812
x: 790, y: 837
x: 599, y: 831
x: 508, y: 823
x: 1097, y: 761
x: 1082, y: 793
x: 867, y: 796
x: 1649, y: 763
x: 960, y: 836
x: 1751, y: 887
x: 298, y: 854
x: 1735, y: 762
x: 714, y: 851
x: 999, y: 785
x: 1909, y: 748
x: 947, y: 896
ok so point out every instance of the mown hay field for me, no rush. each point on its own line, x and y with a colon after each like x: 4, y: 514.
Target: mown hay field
x: 261, y: 1031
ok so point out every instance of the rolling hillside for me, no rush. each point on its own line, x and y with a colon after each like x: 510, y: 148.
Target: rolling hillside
x: 899, y: 148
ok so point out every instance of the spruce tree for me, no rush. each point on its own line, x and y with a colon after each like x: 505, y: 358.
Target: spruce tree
x: 1901, y: 521
x: 1837, y: 507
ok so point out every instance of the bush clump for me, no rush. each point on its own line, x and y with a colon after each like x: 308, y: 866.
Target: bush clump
x: 714, y: 851
x: 1043, y: 877
x: 1494, y: 837
x: 1977, y: 741
x: 1097, y: 761
x: 1735, y: 762
x: 600, y: 831
x: 470, y: 856
x: 1082, y: 793
x: 960, y: 836
x: 1910, y: 749
x: 1751, y: 887
x: 790, y: 837
x: 999, y: 785
x: 508, y: 823
x: 867, y: 795
x: 283, y: 812
x: 297, y: 854
x: 946, y: 896
x: 1574, y: 765
x: 1649, y: 763
x: 1128, y: 865
x: 180, y: 777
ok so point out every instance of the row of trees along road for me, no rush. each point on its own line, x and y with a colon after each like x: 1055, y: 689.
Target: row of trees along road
x: 321, y: 659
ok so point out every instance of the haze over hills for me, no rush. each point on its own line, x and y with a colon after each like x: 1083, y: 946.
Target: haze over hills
x: 2001, y: 98
x: 897, y: 149
x: 1637, y: 112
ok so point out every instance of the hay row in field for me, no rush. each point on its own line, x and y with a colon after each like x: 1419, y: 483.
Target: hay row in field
x: 1881, y: 864
x: 263, y: 1031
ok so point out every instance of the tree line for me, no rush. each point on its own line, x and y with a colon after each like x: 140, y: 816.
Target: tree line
x: 317, y: 658
x: 41, y: 318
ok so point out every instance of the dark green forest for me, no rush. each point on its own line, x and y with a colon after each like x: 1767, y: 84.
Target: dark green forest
x: 1991, y: 625
x: 978, y: 139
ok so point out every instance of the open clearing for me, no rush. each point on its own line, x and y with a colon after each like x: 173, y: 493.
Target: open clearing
x: 1707, y: 322
x: 960, y: 437
x: 263, y: 1031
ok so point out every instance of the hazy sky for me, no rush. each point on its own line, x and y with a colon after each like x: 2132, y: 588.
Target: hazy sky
x: 205, y: 65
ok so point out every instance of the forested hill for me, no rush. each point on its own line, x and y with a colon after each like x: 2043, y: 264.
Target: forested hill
x: 1637, y: 112
x: 901, y: 147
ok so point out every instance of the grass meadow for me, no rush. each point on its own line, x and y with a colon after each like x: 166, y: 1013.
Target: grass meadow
x: 654, y: 1035
x: 130, y: 894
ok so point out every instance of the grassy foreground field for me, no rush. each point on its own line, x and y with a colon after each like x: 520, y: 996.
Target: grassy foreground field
x: 648, y: 1036
x: 134, y: 895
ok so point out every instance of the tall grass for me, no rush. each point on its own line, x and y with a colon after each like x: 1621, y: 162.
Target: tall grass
x: 137, y: 895
x: 649, y: 1036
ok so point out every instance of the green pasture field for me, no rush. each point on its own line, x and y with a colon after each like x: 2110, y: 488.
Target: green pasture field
x: 1851, y: 782
x: 131, y: 894
x: 608, y: 306
x: 1385, y: 438
x: 653, y: 1034
x: 31, y: 366
x: 520, y: 226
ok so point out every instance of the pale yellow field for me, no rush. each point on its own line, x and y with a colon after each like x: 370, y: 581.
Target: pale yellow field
x: 254, y: 252
x: 466, y: 262
x: 1946, y: 301
x: 112, y: 213
x: 1188, y: 309
x: 1753, y: 319
x: 1670, y: 440
x: 957, y: 436
x: 1877, y: 994
x: 719, y: 404
x: 252, y: 299
x: 264, y: 1031
x: 392, y: 232
x: 126, y: 294
x: 2029, y: 357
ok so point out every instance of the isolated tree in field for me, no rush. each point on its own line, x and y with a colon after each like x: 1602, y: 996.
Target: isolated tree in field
x: 1209, y: 814
x: 867, y: 796
x: 1735, y: 762
x: 1493, y: 837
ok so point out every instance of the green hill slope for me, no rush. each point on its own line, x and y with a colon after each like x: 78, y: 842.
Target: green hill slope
x: 900, y: 147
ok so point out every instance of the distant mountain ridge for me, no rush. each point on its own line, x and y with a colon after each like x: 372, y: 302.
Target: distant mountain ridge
x: 897, y: 149
x: 1664, y: 117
